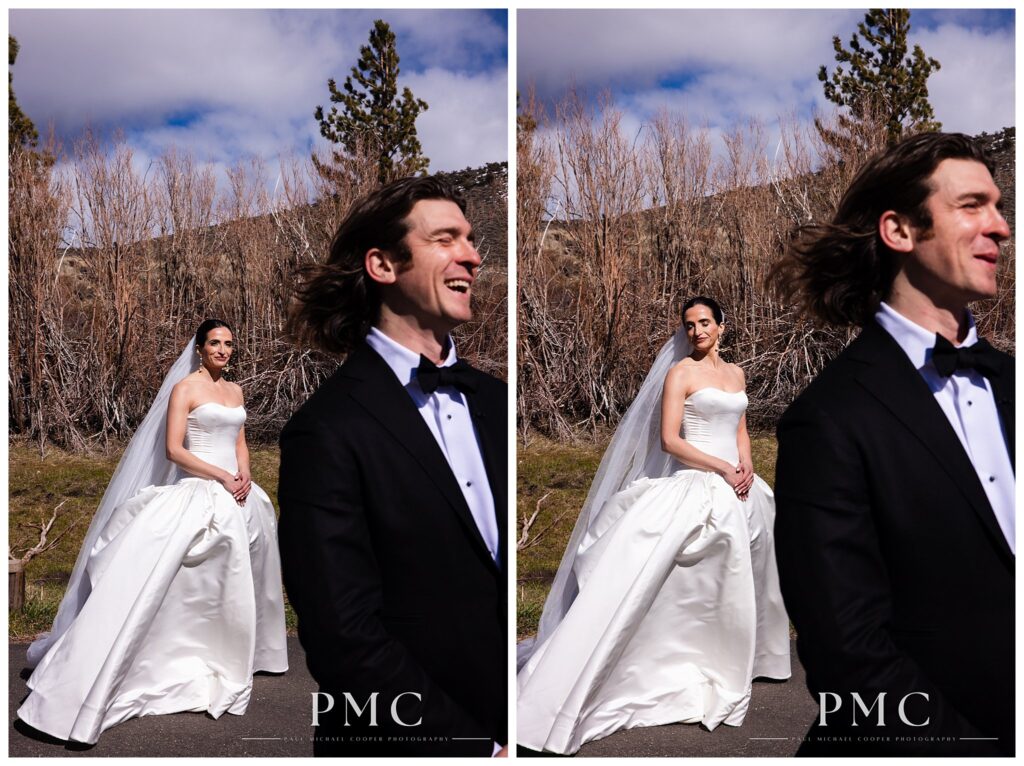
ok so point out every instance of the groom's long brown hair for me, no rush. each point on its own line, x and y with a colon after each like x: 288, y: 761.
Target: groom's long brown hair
x: 336, y: 303
x: 838, y: 272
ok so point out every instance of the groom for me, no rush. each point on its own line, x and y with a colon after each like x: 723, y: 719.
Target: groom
x: 895, y: 476
x: 392, y: 490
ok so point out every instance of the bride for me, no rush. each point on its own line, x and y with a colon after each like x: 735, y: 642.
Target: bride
x: 175, y: 598
x: 666, y: 604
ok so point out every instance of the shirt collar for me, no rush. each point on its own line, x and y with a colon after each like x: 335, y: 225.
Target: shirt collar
x: 403, y: 361
x: 916, y: 341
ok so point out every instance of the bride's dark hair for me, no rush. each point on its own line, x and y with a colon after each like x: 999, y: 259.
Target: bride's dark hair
x: 204, y: 329
x: 711, y: 303
x: 336, y: 303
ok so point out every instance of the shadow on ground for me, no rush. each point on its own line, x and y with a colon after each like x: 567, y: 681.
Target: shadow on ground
x: 276, y: 723
x: 780, y: 714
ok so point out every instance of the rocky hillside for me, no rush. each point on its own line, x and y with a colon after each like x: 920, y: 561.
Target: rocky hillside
x: 1002, y: 147
x: 486, y: 192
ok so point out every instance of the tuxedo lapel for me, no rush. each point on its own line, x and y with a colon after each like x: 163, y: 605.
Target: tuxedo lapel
x: 488, y: 415
x: 889, y: 376
x: 387, y: 402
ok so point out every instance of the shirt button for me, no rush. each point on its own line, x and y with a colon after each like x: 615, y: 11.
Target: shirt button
x: 450, y: 417
x: 969, y: 403
x: 991, y: 478
x: 469, y: 484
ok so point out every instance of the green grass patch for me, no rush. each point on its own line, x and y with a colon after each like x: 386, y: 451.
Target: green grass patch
x: 558, y: 476
x: 38, y: 485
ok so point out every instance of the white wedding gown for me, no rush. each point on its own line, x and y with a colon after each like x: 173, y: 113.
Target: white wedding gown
x: 678, y: 606
x: 186, y: 603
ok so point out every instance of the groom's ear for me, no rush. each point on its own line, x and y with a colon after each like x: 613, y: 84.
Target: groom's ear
x: 380, y: 267
x: 896, y: 232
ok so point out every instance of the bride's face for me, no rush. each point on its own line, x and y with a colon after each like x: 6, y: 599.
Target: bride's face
x: 701, y: 327
x: 217, y: 348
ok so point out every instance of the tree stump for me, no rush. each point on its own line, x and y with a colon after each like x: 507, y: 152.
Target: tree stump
x: 15, y: 584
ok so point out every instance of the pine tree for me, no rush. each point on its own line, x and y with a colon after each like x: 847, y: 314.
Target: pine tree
x: 372, y: 118
x: 526, y: 122
x: 20, y: 130
x: 885, y: 89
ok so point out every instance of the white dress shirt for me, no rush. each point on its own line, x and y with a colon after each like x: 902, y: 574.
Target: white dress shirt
x: 967, y: 400
x: 447, y: 416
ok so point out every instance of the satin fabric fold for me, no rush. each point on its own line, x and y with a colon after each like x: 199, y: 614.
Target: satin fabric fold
x: 186, y: 604
x: 678, y: 610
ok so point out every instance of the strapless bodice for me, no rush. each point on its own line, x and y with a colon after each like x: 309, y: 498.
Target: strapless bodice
x: 212, y: 432
x: 711, y: 418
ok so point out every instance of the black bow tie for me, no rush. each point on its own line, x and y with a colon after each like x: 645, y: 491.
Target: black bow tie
x: 431, y: 377
x: 981, y: 357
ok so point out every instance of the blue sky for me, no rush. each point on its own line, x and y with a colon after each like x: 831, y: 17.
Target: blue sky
x: 229, y: 84
x: 721, y: 68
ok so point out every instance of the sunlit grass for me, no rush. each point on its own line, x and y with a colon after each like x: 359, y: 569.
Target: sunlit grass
x: 38, y: 485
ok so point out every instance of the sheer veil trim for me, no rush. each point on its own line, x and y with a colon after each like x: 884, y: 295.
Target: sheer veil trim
x: 143, y: 464
x: 634, y: 452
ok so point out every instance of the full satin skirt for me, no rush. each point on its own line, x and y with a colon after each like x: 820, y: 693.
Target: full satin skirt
x: 678, y: 610
x: 186, y: 604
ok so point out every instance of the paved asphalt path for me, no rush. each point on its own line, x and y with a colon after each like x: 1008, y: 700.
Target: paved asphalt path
x: 780, y: 714
x: 276, y: 723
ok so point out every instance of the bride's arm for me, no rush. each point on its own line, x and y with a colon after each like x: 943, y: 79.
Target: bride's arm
x: 672, y: 417
x: 746, y: 465
x: 177, y: 416
x: 743, y: 447
x: 743, y: 442
x: 242, y: 458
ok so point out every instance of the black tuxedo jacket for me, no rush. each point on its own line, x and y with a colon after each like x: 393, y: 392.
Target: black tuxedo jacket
x: 395, y: 591
x: 892, y: 564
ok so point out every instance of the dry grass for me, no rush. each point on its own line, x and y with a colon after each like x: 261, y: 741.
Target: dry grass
x: 37, y: 485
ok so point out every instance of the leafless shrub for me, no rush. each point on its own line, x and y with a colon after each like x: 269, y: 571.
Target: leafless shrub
x: 616, y: 231
x: 528, y: 538
x: 113, y: 265
x: 44, y: 542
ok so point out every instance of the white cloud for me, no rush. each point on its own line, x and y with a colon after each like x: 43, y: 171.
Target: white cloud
x: 466, y: 123
x: 640, y: 48
x: 724, y: 67
x: 228, y: 84
x: 974, y: 89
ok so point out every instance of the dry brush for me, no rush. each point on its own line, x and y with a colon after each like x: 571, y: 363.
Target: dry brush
x: 616, y: 230
x: 113, y: 265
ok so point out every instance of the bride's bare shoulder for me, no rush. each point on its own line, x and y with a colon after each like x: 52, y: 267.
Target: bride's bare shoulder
x: 186, y: 391
x: 681, y: 373
x: 683, y: 367
x: 186, y: 384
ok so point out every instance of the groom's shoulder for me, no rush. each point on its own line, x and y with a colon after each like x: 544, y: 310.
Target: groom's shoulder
x: 1006, y: 359
x: 329, y: 401
x: 489, y: 382
x: 834, y: 388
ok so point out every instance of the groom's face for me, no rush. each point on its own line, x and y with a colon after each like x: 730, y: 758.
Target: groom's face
x: 434, y: 287
x: 954, y: 261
